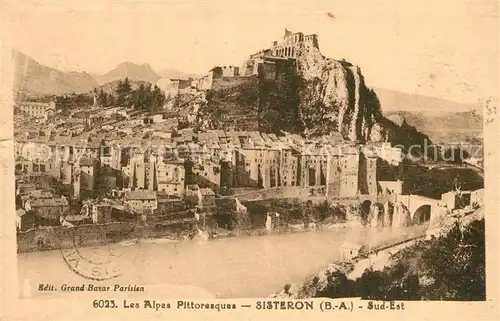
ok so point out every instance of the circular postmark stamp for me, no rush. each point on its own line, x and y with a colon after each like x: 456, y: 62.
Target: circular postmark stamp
x: 94, y: 253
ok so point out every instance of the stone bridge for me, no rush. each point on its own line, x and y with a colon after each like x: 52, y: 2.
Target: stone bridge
x: 421, y: 208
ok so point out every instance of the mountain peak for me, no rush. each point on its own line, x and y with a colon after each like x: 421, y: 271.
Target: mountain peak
x: 129, y: 70
x: 34, y: 79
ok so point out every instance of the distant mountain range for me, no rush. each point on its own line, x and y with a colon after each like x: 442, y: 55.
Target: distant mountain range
x: 449, y: 120
x: 392, y: 100
x: 32, y: 79
x: 445, y: 127
x: 128, y: 69
x: 443, y: 120
x: 175, y: 74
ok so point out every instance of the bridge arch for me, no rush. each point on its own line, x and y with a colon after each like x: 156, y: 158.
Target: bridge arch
x: 422, y: 214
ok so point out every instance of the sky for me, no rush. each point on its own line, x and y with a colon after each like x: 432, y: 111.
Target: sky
x: 446, y: 49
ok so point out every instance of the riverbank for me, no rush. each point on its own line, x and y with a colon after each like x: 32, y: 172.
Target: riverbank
x: 59, y: 237
x: 399, y: 259
x: 375, y: 256
x: 238, y: 267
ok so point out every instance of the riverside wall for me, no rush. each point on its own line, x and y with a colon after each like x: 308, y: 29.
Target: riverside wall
x: 59, y: 237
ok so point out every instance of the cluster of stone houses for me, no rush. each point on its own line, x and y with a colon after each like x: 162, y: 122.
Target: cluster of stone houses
x: 196, y: 166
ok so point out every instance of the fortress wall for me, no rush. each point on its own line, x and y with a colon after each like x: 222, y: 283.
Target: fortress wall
x: 230, y: 82
x: 54, y: 238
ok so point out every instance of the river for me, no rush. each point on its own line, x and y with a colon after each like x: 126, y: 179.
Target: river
x: 253, y: 266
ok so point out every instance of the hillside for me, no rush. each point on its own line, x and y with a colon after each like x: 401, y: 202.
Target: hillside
x: 443, y: 127
x: 129, y: 70
x: 34, y: 79
x: 112, y: 87
x: 176, y: 74
x: 392, y: 100
x: 312, y: 95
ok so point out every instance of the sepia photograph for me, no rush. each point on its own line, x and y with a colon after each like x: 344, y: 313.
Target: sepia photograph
x: 177, y: 155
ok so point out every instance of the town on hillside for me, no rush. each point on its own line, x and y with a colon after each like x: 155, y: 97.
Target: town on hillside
x: 142, y: 154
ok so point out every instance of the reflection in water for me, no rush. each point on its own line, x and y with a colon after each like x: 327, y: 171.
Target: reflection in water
x: 232, y: 267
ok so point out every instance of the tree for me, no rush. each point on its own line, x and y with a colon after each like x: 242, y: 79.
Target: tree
x: 373, y: 285
x: 456, y: 263
x: 455, y: 155
x: 158, y: 98
x: 123, y: 93
x: 103, y: 98
x: 339, y: 286
x: 138, y: 97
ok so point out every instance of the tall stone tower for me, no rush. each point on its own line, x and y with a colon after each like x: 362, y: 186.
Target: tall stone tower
x: 76, y: 182
x: 371, y: 174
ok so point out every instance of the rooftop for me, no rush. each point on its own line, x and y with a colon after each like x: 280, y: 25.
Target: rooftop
x: 140, y: 195
x: 47, y: 202
x: 87, y: 161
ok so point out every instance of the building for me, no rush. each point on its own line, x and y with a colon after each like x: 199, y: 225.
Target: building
x: 24, y: 220
x: 169, y: 204
x: 48, y: 208
x: 141, y: 201
x: 207, y: 197
x: 170, y: 177
x: 291, y: 44
x: 101, y: 213
x: 289, y: 166
x: 32, y: 195
x: 173, y: 87
x: 349, y: 251
x: 193, y: 195
x: 368, y: 173
x: 313, y: 165
x: 461, y: 199
x: 391, y: 187
x: 88, y: 172
x: 206, y: 82
x: 207, y: 174
x: 36, y: 109
x: 349, y: 166
x: 110, y: 155
x: 230, y: 71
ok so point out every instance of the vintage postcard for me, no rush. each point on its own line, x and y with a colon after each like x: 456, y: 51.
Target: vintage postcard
x: 249, y: 160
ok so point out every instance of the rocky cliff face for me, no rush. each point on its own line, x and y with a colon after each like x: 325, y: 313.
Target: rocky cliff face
x: 311, y: 95
x: 334, y: 94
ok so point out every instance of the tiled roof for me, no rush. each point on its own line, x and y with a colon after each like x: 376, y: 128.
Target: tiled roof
x: 43, y: 202
x: 140, y: 195
x: 85, y: 161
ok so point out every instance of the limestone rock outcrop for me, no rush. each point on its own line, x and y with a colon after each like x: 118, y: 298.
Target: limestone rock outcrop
x: 292, y: 87
x: 334, y: 94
